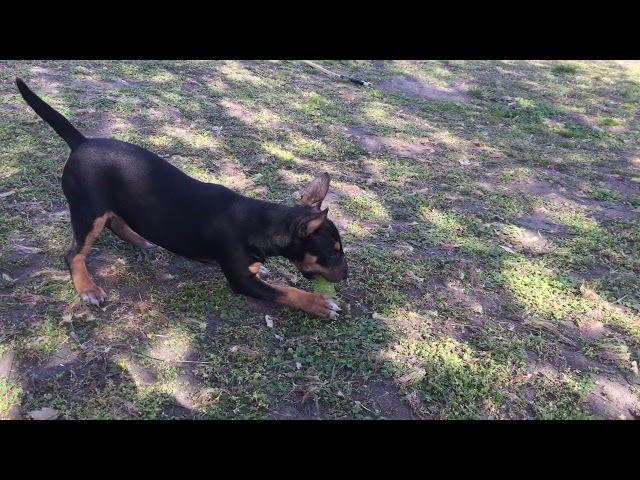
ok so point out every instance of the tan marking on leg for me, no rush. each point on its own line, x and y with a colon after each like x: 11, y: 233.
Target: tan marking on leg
x: 316, y: 303
x: 121, y: 229
x: 254, y: 268
x: 85, y: 287
x: 337, y: 246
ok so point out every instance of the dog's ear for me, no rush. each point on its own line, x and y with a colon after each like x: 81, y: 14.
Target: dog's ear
x: 314, y: 194
x: 305, y: 226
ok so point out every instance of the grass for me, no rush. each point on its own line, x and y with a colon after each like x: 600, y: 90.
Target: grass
x: 565, y: 69
x: 493, y: 244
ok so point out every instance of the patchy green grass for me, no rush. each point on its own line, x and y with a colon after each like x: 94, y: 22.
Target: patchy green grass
x: 9, y: 396
x: 493, y: 242
x: 608, y: 122
x: 565, y: 69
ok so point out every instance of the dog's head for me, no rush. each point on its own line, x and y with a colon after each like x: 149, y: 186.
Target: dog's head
x: 317, y: 248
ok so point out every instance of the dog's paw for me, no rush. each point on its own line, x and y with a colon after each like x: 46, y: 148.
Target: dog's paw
x: 263, y: 271
x: 94, y: 295
x: 150, y: 245
x: 325, y: 306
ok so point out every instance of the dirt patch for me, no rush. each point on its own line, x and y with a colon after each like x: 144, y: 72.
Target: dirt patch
x: 579, y: 361
x: 385, y: 397
x: 164, y: 113
x: 380, y: 397
x: 6, y: 366
x: 537, y: 188
x: 234, y: 176
x: 338, y: 215
x: 375, y: 144
x: 532, y: 242
x: 412, y: 87
x: 288, y: 411
x: 47, y: 81
x: 478, y: 309
x: 373, y: 172
x: 237, y: 111
x: 621, y: 183
x: 582, y: 119
x: 91, y: 86
x: 593, y: 330
x: 611, y: 399
x: 605, y: 215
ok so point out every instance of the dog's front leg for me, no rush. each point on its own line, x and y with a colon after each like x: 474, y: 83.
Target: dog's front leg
x: 246, y: 282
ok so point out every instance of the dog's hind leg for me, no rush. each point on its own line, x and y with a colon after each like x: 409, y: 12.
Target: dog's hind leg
x: 121, y: 229
x: 85, y: 231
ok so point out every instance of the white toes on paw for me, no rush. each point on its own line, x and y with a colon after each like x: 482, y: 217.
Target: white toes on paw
x: 94, y: 299
x: 334, y: 309
x: 90, y: 297
x: 262, y: 270
x: 150, y: 245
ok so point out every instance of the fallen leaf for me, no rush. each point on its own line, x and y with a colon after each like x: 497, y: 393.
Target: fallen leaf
x: 615, y: 351
x: 23, y: 249
x: 279, y: 337
x: 635, y: 179
x: 28, y: 298
x: 6, y: 194
x: 413, y: 276
x: 198, y: 323
x: 464, y: 161
x: 548, y: 327
x: 245, y: 350
x: 8, y: 279
x: 411, y: 378
x: 298, y: 365
x: 508, y: 249
x: 74, y: 335
x: 401, y: 251
x: 291, y: 277
x: 207, y: 396
x: 44, y: 414
x: 414, y: 400
x: 269, y: 320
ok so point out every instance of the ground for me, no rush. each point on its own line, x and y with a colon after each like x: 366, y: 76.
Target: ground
x: 489, y: 211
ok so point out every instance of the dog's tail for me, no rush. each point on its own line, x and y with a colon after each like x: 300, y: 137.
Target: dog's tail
x: 61, y: 125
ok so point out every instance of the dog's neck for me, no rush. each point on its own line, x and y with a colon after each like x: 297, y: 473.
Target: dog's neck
x: 278, y: 232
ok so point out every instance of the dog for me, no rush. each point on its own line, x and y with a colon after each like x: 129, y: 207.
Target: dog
x: 148, y: 202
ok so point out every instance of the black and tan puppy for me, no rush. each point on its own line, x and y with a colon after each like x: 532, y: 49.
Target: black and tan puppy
x: 143, y: 198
